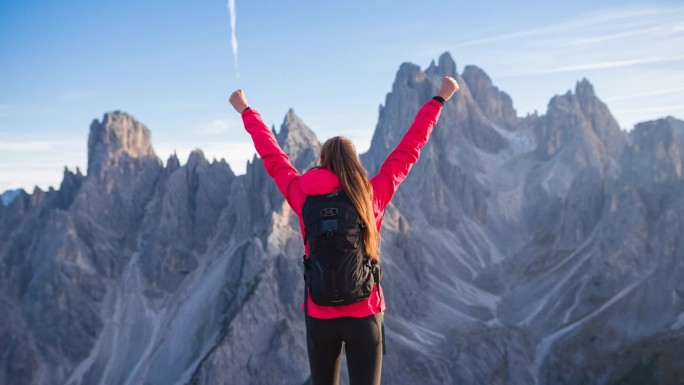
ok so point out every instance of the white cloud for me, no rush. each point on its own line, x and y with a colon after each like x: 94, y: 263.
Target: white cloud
x: 26, y: 146
x: 667, y: 109
x: 40, y: 163
x: 632, y: 53
x: 27, y: 179
x: 652, y: 32
x: 16, y: 179
x: 508, y: 36
x: 218, y: 126
x: 623, y: 19
x: 235, y: 153
x: 610, y: 64
x: 646, y: 94
x: 613, y: 36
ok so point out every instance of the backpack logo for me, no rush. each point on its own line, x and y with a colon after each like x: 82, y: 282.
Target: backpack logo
x: 329, y: 212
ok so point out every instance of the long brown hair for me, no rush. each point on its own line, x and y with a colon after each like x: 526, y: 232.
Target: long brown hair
x: 338, y: 154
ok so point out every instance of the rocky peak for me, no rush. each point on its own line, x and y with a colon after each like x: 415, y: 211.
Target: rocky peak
x: 298, y: 141
x: 196, y: 158
x: 656, y: 153
x: 71, y: 183
x: 9, y: 196
x: 495, y: 104
x: 411, y: 88
x: 583, y: 119
x: 408, y: 75
x: 446, y: 66
x: 602, y: 120
x: 172, y: 164
x: 464, y: 117
x: 585, y: 91
x: 119, y: 134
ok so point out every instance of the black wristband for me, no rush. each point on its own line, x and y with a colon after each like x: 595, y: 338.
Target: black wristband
x: 243, y: 111
x: 439, y: 99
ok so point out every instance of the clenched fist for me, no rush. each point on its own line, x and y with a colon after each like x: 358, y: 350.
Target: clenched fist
x: 448, y: 89
x: 238, y: 101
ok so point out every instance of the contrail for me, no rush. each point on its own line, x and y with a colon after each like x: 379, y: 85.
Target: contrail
x: 233, y: 38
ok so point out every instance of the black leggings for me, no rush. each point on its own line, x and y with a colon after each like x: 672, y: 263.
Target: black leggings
x: 362, y: 339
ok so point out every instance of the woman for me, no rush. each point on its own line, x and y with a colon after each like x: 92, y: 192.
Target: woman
x: 358, y: 325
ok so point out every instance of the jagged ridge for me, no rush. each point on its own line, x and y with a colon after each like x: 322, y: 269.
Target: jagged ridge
x: 542, y: 249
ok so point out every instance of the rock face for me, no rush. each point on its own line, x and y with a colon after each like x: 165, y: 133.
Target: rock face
x: 545, y: 249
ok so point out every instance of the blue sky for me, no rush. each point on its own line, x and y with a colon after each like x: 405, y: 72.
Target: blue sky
x: 170, y: 64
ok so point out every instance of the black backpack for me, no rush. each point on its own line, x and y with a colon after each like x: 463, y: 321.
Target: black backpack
x: 338, y: 271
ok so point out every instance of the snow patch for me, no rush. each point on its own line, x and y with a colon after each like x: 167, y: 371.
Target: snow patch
x: 680, y: 322
x: 415, y: 336
x: 545, y: 345
x: 558, y: 179
x: 144, y: 329
x: 467, y: 293
x: 552, y: 295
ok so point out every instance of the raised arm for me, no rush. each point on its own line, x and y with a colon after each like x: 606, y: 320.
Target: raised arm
x: 276, y: 162
x: 398, y: 164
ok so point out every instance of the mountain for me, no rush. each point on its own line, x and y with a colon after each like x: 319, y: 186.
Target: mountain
x: 8, y: 196
x: 544, y: 249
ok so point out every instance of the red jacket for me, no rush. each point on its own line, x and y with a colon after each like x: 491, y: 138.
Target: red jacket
x: 296, y: 187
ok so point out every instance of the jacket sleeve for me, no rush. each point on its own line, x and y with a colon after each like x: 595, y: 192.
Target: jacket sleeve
x: 398, y: 164
x: 276, y: 162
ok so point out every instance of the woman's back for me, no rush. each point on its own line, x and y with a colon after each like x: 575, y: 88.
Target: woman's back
x: 358, y: 324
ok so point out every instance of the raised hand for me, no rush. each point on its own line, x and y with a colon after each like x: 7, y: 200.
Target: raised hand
x: 449, y: 88
x: 238, y: 101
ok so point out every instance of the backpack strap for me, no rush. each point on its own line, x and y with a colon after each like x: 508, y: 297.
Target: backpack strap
x: 377, y: 274
x: 382, y: 328
x: 307, y: 267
